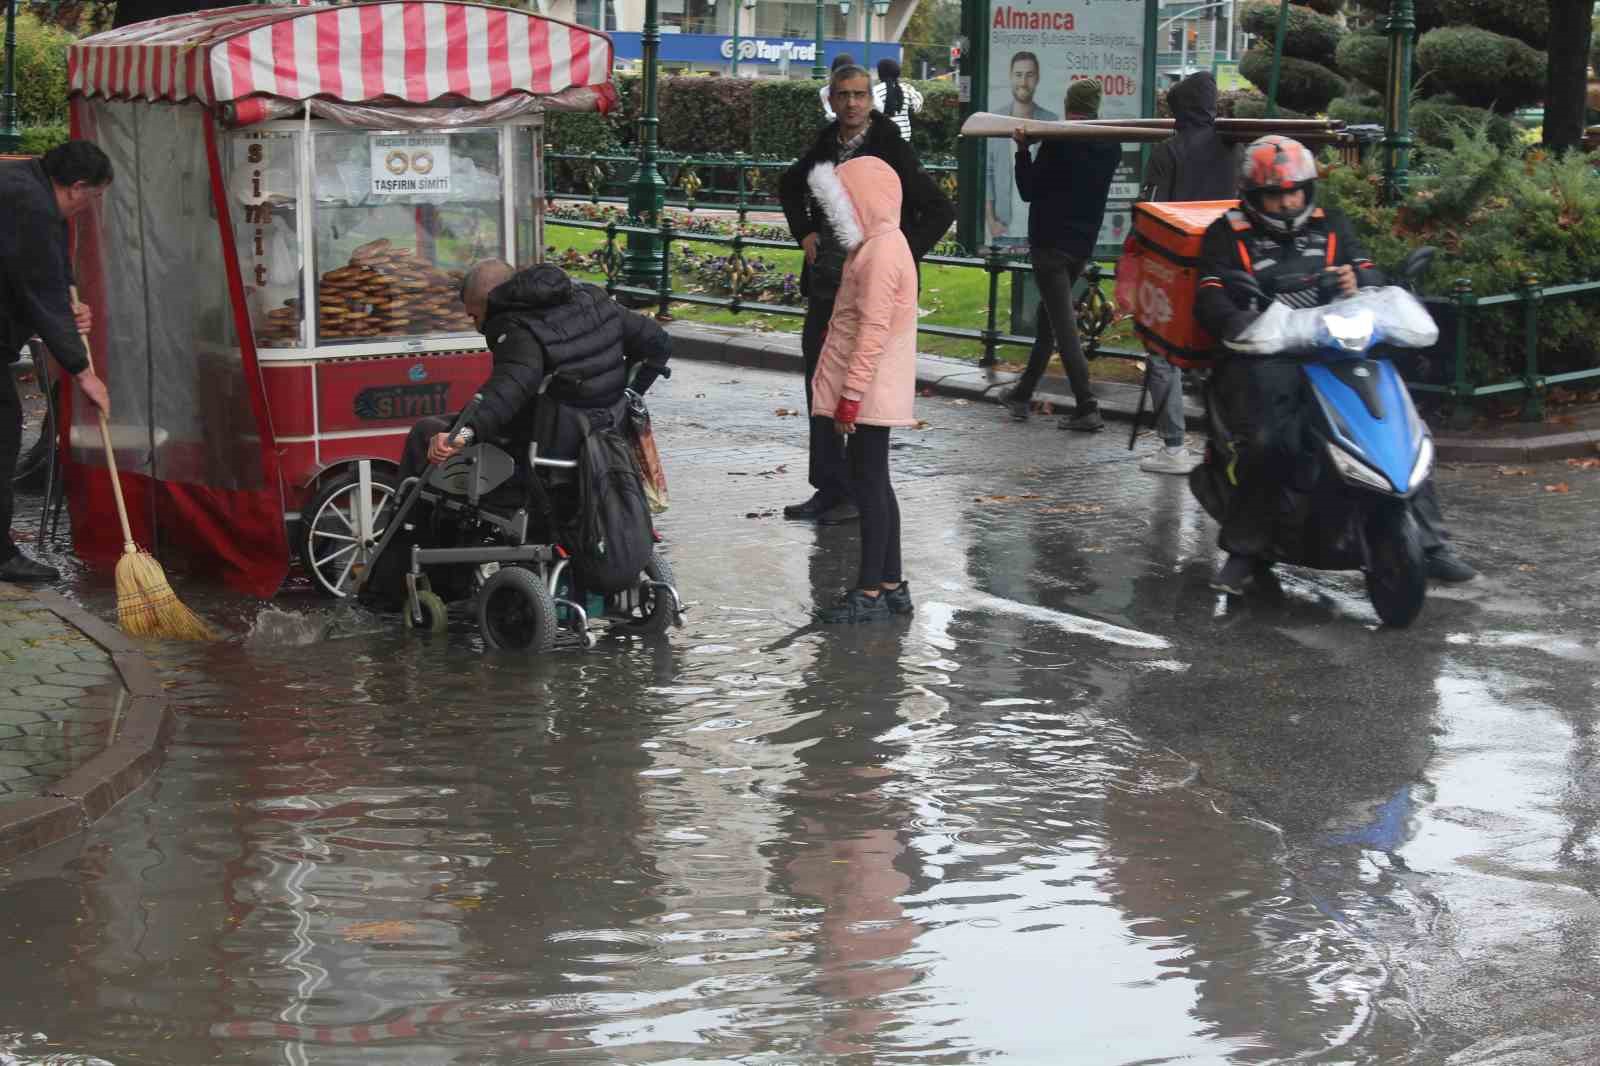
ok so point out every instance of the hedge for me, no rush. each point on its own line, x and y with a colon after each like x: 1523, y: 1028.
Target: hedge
x: 706, y: 116
x: 1302, y: 85
x: 1326, y: 7
x: 1438, y: 124
x: 1308, y: 34
x: 936, y: 129
x: 41, y: 80
x: 785, y: 117
x: 1526, y: 20
x: 1482, y: 68
x: 1364, y: 57
x: 1355, y: 111
x: 37, y: 140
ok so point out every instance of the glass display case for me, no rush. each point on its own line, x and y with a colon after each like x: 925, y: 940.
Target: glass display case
x: 353, y: 238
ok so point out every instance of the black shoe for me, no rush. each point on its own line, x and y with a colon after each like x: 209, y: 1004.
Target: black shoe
x: 839, y: 514
x: 899, y: 599
x: 1234, y: 574
x: 21, y: 570
x: 1445, y: 565
x: 1020, y: 409
x: 855, y: 608
x: 810, y: 509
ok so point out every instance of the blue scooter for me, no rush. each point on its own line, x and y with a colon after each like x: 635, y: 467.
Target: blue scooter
x: 1367, y: 450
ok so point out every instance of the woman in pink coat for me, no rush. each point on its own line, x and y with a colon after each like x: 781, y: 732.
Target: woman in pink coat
x: 867, y: 372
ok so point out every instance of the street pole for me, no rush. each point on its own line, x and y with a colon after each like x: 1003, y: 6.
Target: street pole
x: 1402, y: 31
x: 1277, y: 58
x: 819, y: 69
x: 10, y: 136
x: 737, y: 7
x: 643, y: 262
x: 868, y: 62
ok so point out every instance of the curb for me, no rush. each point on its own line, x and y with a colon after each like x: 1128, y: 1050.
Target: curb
x: 78, y: 800
x: 956, y: 377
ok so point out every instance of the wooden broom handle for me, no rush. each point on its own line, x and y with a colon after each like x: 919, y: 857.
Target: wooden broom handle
x: 128, y: 546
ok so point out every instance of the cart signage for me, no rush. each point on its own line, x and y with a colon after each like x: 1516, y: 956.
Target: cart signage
x: 401, y: 401
x: 404, y: 165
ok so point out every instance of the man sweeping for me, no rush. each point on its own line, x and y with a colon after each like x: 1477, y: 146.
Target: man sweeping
x: 37, y: 197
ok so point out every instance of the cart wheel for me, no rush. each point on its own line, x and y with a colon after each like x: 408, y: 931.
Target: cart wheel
x: 652, y: 614
x: 329, y: 548
x: 516, y: 612
x: 434, y: 619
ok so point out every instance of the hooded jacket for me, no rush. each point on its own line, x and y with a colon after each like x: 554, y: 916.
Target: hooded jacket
x: 871, y: 350
x: 541, y: 325
x: 925, y: 212
x: 1195, y: 163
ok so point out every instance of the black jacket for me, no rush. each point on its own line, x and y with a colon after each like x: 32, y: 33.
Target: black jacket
x: 1285, y: 269
x: 541, y: 325
x: 925, y: 212
x: 35, y: 269
x: 1195, y: 163
x: 1067, y: 185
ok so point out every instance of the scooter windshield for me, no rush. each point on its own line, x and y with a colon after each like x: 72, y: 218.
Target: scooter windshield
x: 1387, y: 315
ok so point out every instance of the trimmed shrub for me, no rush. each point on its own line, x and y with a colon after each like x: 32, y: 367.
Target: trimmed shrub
x: 41, y: 79
x: 1302, y: 85
x: 1482, y: 68
x: 1526, y: 20
x: 702, y: 116
x: 1355, y: 111
x: 785, y: 117
x: 37, y: 140
x: 1326, y: 7
x: 1254, y: 105
x: 1429, y: 13
x: 1438, y: 124
x: 936, y: 129
x: 1308, y: 34
x: 1364, y: 57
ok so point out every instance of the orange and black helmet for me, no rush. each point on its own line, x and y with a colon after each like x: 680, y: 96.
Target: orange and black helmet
x: 1277, y: 164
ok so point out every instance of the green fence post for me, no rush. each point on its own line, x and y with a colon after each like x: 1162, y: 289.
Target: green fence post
x: 741, y: 207
x: 664, y: 311
x: 1461, y: 391
x: 736, y: 268
x: 613, y: 268
x: 1533, y: 401
x: 993, y: 263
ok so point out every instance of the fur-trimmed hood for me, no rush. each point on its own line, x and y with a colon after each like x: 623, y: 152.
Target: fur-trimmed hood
x: 861, y: 198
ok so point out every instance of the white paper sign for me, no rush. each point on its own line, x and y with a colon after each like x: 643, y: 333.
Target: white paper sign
x: 403, y: 165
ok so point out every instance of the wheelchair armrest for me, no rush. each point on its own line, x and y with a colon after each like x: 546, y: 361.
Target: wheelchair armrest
x: 560, y: 464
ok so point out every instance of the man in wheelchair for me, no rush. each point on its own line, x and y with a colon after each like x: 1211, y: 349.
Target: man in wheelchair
x: 565, y: 355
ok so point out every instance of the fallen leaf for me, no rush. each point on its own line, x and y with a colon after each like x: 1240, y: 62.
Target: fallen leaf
x: 922, y: 423
x: 386, y: 930
x: 1527, y: 568
x: 759, y: 514
x: 1584, y: 464
x: 1515, y: 471
x: 784, y: 412
x: 1073, y: 508
x: 1560, y: 486
x: 1006, y: 499
x: 924, y: 392
x: 961, y: 403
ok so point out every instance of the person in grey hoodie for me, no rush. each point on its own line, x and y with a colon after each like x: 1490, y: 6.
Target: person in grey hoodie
x: 1195, y: 163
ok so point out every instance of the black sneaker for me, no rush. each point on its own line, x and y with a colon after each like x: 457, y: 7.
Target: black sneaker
x: 1445, y: 565
x: 1020, y: 409
x: 809, y: 510
x: 1235, y: 574
x: 855, y: 608
x: 899, y: 599
x: 21, y: 570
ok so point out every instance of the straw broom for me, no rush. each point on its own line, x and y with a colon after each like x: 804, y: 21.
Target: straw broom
x: 146, y: 604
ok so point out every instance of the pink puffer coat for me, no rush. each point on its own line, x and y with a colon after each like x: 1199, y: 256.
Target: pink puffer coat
x: 871, y: 351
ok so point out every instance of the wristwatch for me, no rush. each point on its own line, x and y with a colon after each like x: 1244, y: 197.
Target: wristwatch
x: 464, y: 436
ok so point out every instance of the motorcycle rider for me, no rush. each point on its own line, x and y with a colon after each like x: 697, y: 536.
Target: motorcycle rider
x: 1296, y: 252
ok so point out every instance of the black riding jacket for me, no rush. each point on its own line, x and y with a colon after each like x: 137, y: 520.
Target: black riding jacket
x: 541, y: 325
x: 1286, y: 268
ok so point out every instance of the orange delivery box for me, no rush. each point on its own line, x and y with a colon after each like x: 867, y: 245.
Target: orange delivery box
x: 1168, y: 237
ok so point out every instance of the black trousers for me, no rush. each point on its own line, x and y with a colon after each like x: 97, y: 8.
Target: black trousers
x: 1263, y: 405
x: 826, y: 469
x: 1056, y: 328
x: 868, y: 455
x: 10, y: 448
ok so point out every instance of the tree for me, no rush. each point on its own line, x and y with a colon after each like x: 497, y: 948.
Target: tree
x: 928, y: 35
x: 1567, y: 90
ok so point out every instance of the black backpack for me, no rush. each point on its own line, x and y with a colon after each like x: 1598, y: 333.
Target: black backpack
x: 612, y: 537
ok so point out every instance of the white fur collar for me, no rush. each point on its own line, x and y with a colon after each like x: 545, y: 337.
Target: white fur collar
x: 836, y: 204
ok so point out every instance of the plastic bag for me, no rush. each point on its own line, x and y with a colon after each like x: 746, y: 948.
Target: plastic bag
x: 1130, y: 272
x: 1388, y: 315
x: 642, y: 438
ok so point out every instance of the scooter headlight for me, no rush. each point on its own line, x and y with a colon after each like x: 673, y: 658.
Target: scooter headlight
x: 1424, y: 464
x: 1353, y: 331
x: 1354, y: 470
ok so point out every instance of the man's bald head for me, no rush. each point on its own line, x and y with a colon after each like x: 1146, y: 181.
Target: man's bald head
x: 483, y: 278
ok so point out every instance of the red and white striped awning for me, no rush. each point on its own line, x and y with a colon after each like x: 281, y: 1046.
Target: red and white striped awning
x: 415, y: 51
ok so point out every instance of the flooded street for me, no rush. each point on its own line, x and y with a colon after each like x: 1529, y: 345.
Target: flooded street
x: 1079, y: 809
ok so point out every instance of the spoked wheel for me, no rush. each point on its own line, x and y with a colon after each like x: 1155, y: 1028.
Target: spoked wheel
x: 1397, y: 575
x: 516, y: 611
x: 331, y: 549
x: 653, y: 607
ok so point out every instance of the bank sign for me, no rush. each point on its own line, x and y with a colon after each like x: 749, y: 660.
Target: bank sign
x: 712, y: 49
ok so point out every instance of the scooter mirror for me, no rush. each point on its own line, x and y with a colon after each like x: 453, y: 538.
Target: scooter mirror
x: 1417, y: 263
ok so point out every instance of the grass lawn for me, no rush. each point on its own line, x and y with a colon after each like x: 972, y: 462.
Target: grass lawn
x: 951, y: 296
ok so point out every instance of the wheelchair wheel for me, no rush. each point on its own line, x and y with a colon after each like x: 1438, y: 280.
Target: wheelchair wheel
x: 652, y: 613
x: 516, y: 612
x: 434, y: 619
x: 329, y: 548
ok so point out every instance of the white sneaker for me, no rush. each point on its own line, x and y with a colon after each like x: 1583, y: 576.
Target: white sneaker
x: 1177, y: 460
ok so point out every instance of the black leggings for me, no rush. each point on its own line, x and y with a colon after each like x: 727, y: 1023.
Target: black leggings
x: 868, y: 457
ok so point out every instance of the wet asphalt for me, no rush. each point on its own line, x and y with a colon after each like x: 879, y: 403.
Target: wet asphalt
x: 1080, y: 809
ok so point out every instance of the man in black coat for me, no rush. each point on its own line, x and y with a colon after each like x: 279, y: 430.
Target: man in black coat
x: 36, y: 199
x: 925, y: 215
x: 539, y: 325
